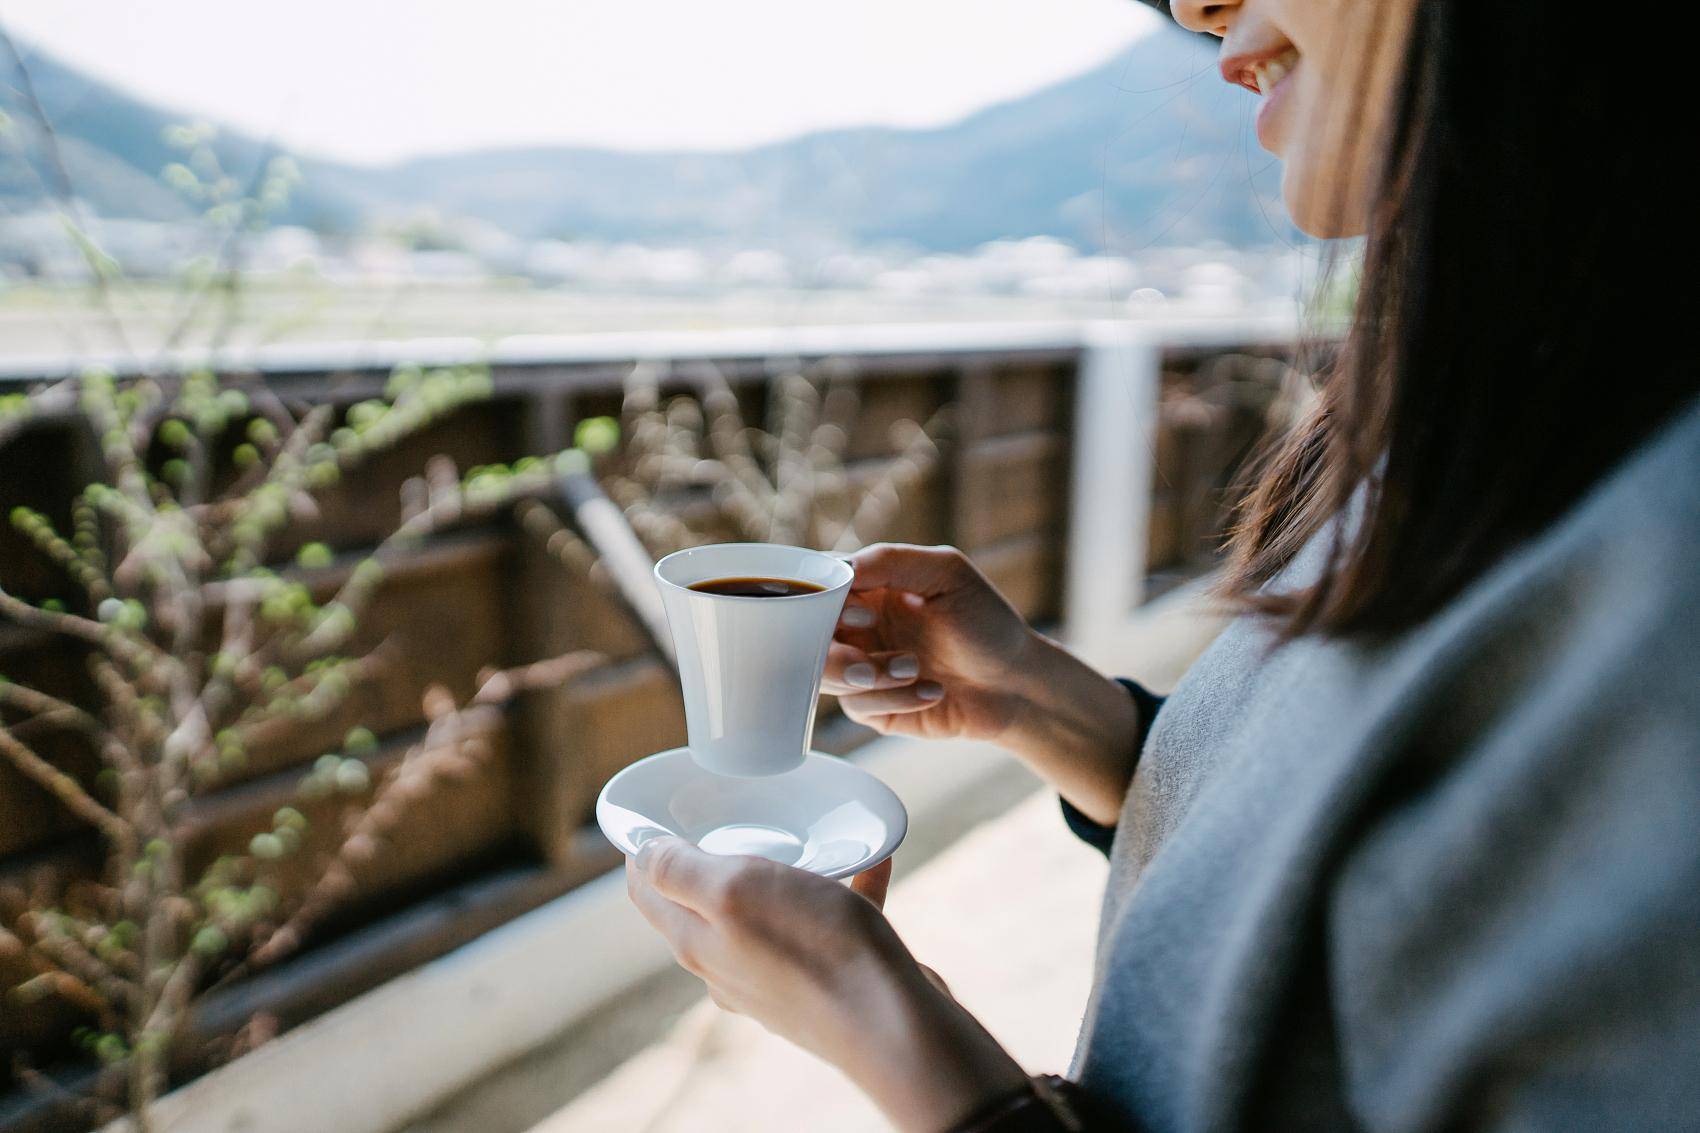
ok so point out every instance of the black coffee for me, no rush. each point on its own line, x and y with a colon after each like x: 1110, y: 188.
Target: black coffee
x: 757, y: 587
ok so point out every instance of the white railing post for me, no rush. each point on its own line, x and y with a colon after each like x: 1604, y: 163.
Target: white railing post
x: 1115, y: 436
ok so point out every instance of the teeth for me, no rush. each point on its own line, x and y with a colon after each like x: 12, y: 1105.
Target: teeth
x: 1271, y: 71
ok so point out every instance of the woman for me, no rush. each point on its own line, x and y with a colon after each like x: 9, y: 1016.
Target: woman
x: 1414, y: 846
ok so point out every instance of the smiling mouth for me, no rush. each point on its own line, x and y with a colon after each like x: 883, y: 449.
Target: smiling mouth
x: 1266, y: 74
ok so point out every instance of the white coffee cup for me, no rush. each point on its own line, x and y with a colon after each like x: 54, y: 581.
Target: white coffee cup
x: 751, y: 667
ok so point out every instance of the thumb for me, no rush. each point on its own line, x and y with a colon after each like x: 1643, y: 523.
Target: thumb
x: 873, y: 883
x: 682, y: 873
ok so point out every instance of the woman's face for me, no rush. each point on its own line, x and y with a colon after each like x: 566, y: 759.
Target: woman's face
x: 1324, y: 73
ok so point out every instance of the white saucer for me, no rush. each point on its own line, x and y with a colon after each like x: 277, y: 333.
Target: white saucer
x: 828, y: 816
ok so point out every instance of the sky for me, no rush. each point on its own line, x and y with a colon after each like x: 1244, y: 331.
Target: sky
x: 372, y: 81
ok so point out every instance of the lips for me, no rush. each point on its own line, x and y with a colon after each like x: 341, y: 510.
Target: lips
x: 1269, y: 79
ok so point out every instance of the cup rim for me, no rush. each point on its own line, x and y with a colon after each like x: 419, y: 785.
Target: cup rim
x: 661, y: 580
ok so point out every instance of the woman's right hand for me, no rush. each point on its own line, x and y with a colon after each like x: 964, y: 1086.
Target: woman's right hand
x: 926, y: 646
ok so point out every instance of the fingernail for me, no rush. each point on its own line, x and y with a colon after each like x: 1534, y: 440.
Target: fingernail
x: 858, y: 617
x: 645, y: 856
x: 861, y: 675
x: 904, y: 667
x: 930, y: 690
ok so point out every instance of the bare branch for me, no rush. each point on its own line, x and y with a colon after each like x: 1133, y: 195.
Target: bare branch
x: 71, y: 625
x: 48, y: 401
x: 502, y: 685
x: 60, y: 184
x: 444, y: 507
x: 179, y: 985
x: 66, y: 789
x: 298, y: 433
x: 319, y: 695
x: 450, y: 731
x: 125, y: 710
x: 69, y: 955
x: 229, y: 272
x: 51, y: 711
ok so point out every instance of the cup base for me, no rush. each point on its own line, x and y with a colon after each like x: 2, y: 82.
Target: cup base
x: 755, y: 840
x: 744, y: 769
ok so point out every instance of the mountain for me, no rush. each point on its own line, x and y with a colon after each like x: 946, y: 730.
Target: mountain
x: 1134, y: 153
x: 113, y: 147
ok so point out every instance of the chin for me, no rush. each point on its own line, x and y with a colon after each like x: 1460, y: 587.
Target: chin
x: 1319, y: 206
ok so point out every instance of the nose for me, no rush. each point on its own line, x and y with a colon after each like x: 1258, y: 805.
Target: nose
x: 1197, y: 15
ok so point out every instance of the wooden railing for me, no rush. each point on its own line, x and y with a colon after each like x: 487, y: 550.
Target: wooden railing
x: 1078, y: 461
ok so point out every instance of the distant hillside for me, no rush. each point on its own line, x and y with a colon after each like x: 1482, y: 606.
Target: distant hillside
x: 1134, y: 153
x: 113, y: 147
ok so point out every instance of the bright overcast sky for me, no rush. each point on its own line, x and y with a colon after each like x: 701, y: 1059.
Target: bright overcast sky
x: 373, y: 80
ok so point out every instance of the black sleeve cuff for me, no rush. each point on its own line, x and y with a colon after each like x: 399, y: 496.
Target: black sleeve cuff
x: 1095, y: 834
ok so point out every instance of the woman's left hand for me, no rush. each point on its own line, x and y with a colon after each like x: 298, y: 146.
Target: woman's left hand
x: 795, y: 952
x: 818, y: 964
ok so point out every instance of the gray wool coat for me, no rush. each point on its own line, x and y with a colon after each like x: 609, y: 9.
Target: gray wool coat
x: 1451, y: 882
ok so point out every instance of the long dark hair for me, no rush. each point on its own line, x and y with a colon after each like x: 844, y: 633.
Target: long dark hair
x: 1526, y: 315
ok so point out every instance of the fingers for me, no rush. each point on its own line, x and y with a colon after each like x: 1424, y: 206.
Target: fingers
x: 873, y: 883
x: 865, y: 707
x: 850, y: 670
x: 882, y: 620
x: 859, y: 621
x: 857, y: 616
x: 927, y: 571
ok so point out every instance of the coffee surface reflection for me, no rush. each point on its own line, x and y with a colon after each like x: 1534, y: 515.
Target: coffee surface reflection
x: 756, y: 587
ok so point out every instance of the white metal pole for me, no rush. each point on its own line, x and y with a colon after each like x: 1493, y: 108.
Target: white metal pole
x: 1115, y: 435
